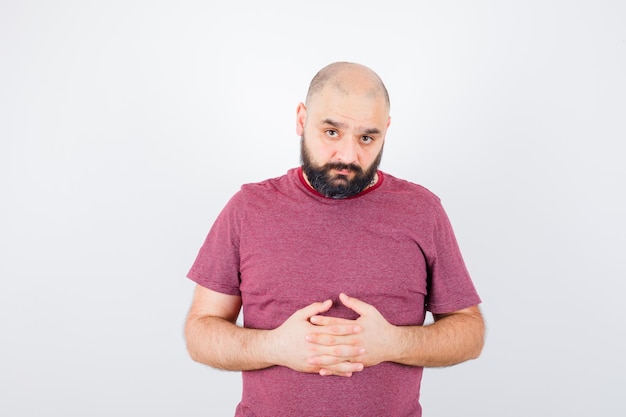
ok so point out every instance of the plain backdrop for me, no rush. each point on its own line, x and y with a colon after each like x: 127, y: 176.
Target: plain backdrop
x: 125, y: 126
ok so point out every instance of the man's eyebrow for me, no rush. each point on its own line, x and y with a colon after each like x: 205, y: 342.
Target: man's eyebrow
x: 371, y: 131
x: 333, y: 123
x: 339, y: 125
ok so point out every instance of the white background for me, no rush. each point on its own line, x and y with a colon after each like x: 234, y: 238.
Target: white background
x: 126, y: 125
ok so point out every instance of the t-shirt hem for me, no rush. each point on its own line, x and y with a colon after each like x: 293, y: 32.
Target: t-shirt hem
x: 454, y: 306
x: 212, y: 286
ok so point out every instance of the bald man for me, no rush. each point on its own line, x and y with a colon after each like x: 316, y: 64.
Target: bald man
x: 335, y: 264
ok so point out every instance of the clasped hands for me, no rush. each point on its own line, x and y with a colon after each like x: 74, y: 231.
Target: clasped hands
x: 310, y: 342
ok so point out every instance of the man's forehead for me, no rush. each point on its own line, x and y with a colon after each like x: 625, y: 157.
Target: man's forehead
x: 365, y: 109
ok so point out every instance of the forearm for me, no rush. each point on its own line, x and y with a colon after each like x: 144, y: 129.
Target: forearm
x: 450, y: 340
x: 222, y: 344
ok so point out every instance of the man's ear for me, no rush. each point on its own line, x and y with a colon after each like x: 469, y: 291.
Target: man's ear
x: 300, y: 118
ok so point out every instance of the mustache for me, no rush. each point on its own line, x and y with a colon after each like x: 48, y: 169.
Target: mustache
x: 341, y: 166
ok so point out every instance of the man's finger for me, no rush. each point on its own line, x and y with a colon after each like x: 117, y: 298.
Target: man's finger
x: 355, y: 304
x: 334, y: 325
x: 315, y: 308
x: 345, y: 369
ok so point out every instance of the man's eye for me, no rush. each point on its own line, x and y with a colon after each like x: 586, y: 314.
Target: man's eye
x: 332, y: 133
x: 367, y: 139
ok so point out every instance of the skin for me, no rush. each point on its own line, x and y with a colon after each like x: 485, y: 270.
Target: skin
x: 344, y: 121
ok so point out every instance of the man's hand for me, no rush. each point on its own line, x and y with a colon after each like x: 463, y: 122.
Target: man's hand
x: 453, y: 338
x: 295, y: 346
x: 374, y: 339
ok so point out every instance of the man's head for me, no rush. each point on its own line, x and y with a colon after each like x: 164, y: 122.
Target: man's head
x: 342, y: 128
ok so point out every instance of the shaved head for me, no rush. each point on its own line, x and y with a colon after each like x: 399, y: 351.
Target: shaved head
x: 342, y: 126
x: 347, y: 78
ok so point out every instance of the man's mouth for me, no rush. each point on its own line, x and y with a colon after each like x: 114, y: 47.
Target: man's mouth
x: 344, y: 171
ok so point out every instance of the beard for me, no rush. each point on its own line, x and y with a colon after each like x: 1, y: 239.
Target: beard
x: 338, y: 186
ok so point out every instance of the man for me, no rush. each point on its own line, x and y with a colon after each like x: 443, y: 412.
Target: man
x: 335, y: 264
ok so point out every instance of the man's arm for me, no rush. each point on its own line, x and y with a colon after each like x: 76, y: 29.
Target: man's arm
x: 213, y: 338
x: 453, y: 338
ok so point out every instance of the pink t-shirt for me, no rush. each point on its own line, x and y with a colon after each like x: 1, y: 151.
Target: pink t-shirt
x: 282, y: 246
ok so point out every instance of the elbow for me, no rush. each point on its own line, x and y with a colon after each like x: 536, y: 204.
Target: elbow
x: 479, y: 343
x: 193, y: 354
x: 477, y: 326
x: 201, y: 341
x: 476, y: 351
x: 190, y: 336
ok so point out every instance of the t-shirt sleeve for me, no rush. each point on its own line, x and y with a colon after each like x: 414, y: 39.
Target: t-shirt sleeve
x: 217, y: 264
x: 450, y: 287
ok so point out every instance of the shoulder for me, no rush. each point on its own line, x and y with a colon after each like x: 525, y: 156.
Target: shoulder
x: 409, y: 199
x: 270, y: 193
x: 404, y: 189
x: 267, y: 186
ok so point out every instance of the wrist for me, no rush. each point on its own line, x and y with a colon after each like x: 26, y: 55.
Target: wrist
x: 400, y: 341
x: 269, y: 346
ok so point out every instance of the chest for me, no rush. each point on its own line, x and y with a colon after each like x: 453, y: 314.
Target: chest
x: 291, y: 257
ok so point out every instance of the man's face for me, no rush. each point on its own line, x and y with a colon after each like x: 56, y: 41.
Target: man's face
x: 342, y: 141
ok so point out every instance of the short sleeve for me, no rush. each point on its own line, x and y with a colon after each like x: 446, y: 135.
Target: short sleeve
x: 217, y: 264
x: 450, y: 287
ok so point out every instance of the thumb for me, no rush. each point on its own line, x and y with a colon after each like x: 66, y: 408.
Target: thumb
x: 355, y: 304
x: 315, y: 308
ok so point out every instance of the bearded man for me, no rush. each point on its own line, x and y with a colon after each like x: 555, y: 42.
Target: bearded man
x: 335, y: 264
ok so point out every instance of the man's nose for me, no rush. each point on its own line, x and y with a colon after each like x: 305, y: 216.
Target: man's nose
x: 347, y: 150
